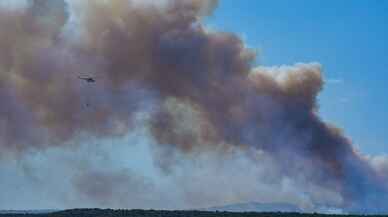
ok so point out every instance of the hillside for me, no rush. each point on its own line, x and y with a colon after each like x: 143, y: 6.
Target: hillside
x: 160, y: 213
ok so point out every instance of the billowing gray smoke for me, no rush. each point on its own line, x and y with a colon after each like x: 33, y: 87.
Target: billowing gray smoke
x: 199, y: 89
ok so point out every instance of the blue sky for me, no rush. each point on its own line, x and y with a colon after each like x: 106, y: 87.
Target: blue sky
x: 349, y: 40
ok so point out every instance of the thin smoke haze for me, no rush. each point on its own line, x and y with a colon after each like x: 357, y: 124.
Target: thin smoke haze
x: 199, y: 90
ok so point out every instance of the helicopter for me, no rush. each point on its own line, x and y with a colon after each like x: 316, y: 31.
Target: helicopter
x: 87, y: 79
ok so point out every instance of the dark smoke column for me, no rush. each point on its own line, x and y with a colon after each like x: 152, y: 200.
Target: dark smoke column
x: 207, y: 94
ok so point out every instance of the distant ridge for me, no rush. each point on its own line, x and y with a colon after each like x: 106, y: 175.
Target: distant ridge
x: 257, y: 207
x: 96, y: 212
x: 38, y: 211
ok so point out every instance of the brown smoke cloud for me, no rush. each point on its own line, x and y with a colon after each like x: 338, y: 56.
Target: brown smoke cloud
x: 200, y: 89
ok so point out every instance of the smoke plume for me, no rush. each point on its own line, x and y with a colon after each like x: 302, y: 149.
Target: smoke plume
x: 198, y: 90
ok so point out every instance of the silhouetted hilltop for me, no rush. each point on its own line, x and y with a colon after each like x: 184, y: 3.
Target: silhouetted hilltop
x: 165, y: 213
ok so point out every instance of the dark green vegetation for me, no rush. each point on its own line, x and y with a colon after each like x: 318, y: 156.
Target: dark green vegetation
x: 158, y: 213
